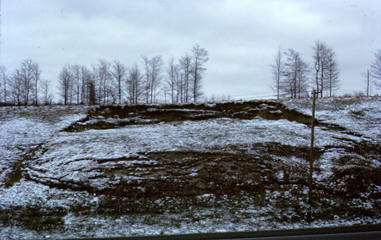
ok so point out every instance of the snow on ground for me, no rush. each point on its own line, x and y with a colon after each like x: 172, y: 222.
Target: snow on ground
x: 66, y: 149
x: 235, y: 215
x: 70, y: 156
x: 22, y: 129
x: 361, y: 116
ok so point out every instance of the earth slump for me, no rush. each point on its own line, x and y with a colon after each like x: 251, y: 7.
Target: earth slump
x: 106, y: 117
x: 168, y: 174
x: 237, y: 170
x: 194, y: 173
x: 212, y: 173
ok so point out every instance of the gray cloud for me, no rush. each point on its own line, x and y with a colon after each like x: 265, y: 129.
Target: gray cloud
x: 241, y: 35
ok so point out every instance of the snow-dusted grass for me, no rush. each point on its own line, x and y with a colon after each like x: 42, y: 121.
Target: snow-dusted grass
x: 359, y: 115
x: 73, y: 156
x: 70, y: 156
x: 205, y: 214
x: 23, y: 128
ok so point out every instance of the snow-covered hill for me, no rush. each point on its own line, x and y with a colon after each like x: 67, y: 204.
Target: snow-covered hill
x: 164, y: 169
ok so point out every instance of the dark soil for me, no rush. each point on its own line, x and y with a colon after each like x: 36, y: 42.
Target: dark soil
x: 250, y: 171
x: 149, y: 114
x: 179, y: 174
x: 174, y: 181
x: 194, y: 173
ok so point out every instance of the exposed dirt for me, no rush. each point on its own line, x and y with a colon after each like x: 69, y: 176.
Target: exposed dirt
x: 177, y: 174
x: 177, y: 181
x: 106, y: 117
x: 193, y: 173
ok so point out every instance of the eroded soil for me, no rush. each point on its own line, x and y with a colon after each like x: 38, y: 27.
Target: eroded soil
x: 173, y: 181
x: 106, y: 117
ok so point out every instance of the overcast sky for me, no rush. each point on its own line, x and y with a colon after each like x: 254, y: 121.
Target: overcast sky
x: 241, y: 37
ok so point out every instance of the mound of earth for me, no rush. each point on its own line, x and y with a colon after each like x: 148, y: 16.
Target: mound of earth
x: 205, y: 155
x: 106, y: 117
x: 160, y: 174
x: 237, y: 164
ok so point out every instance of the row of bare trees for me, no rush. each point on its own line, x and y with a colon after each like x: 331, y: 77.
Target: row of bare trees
x: 114, y: 83
x: 24, y: 86
x: 109, y: 82
x: 293, y: 76
x: 184, y: 79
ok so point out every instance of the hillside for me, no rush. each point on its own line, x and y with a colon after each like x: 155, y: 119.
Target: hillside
x: 165, y: 169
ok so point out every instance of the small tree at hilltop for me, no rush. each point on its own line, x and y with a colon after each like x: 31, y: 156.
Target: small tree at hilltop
x: 25, y: 83
x: 47, y: 96
x: 66, y: 85
x: 4, y: 79
x: 333, y: 72
x: 119, y: 73
x: 134, y: 85
x: 153, y: 75
x: 200, y: 57
x: 88, y: 95
x: 376, y: 69
x: 326, y: 69
x: 185, y: 65
x: 278, y: 72
x: 172, y: 80
x: 295, y: 75
x: 104, y: 82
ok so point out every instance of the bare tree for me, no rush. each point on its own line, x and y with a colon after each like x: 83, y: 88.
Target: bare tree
x: 376, y: 69
x: 134, y: 84
x: 319, y: 52
x: 153, y: 76
x: 200, y: 57
x: 278, y: 72
x: 296, y: 71
x: 16, y: 88
x: 185, y: 64
x: 368, y: 82
x: 3, y: 85
x: 45, y: 89
x: 119, y: 73
x: 89, y: 95
x: 66, y: 85
x: 147, y: 74
x: 103, y: 76
x: 326, y: 69
x: 36, y: 78
x: 86, y: 92
x: 25, y: 83
x: 172, y: 79
x: 75, y: 71
x: 333, y: 72
x: 92, y: 97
